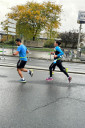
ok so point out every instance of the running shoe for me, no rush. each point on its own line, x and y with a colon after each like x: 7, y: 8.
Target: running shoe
x: 31, y: 72
x: 69, y: 79
x: 22, y: 81
x: 49, y: 79
x: 52, y: 72
x: 66, y: 69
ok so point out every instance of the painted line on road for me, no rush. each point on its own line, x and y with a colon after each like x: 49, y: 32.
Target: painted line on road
x: 38, y: 68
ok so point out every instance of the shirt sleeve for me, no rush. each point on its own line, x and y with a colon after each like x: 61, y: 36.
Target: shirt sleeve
x: 18, y: 49
x: 26, y: 49
x: 60, y: 51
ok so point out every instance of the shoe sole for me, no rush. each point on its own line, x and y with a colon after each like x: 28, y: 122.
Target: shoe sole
x: 22, y: 81
x: 70, y: 80
x: 31, y: 73
x: 49, y: 80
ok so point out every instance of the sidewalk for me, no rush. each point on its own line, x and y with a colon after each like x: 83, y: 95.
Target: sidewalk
x: 37, y: 64
x: 39, y: 55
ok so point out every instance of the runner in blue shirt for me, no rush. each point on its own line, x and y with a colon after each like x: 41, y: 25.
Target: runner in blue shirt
x: 22, y: 51
x: 58, y: 53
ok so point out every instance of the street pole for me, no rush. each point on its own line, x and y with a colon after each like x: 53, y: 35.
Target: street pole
x: 12, y: 44
x: 78, y: 46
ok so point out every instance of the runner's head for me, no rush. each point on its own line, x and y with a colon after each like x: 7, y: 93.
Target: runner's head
x: 57, y: 43
x: 18, y: 41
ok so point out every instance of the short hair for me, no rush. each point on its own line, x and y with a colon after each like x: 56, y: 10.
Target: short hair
x: 58, y: 42
x: 18, y: 40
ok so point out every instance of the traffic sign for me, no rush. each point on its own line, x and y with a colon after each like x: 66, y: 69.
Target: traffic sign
x: 81, y: 17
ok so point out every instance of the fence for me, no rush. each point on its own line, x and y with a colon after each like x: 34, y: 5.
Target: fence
x: 68, y: 54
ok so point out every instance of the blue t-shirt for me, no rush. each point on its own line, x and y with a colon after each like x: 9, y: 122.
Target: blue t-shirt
x: 22, y: 52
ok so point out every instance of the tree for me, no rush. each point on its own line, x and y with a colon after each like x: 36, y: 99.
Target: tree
x: 53, y: 19
x: 33, y: 17
x: 70, y: 37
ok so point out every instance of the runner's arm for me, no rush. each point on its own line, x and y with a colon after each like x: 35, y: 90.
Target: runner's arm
x: 27, y: 51
x: 52, y: 53
x: 16, y: 53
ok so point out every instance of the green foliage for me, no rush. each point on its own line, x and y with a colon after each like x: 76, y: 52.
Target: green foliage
x: 49, y: 44
x: 70, y: 39
x: 41, y: 49
x: 11, y: 42
x: 34, y: 17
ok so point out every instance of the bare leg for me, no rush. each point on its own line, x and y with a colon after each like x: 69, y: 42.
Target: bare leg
x: 20, y: 73
x: 24, y: 70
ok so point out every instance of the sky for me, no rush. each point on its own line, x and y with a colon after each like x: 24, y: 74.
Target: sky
x: 69, y: 14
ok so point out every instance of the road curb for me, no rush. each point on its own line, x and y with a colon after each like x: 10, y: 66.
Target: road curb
x: 38, y: 68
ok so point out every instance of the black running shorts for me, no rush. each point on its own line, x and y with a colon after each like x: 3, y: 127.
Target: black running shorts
x: 21, y: 64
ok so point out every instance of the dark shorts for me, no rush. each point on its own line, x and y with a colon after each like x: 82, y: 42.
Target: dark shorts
x: 21, y: 64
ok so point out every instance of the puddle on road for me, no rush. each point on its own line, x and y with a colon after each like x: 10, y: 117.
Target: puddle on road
x: 3, y: 76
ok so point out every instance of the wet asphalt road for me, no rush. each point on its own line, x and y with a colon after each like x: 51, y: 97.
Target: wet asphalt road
x: 41, y: 104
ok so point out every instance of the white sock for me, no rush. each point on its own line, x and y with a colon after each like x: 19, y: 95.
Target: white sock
x: 28, y: 71
x: 23, y: 78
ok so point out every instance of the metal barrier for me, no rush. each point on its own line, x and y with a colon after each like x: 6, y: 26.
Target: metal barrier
x: 67, y: 55
x: 3, y: 55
